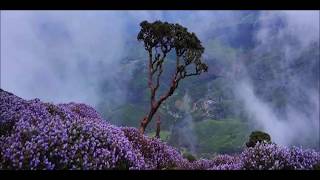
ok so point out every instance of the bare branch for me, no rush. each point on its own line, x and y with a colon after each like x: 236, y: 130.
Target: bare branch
x: 158, y: 77
x: 150, y: 84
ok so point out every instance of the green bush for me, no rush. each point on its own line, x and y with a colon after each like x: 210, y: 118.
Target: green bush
x: 189, y: 156
x: 258, y: 136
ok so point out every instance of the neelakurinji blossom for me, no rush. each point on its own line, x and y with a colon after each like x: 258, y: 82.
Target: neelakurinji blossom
x: 36, y: 135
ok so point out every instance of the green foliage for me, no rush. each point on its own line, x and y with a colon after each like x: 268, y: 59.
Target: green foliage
x: 223, y: 136
x: 190, y: 157
x: 162, y: 37
x: 258, y: 136
x: 127, y: 115
x: 164, y: 135
x: 154, y: 33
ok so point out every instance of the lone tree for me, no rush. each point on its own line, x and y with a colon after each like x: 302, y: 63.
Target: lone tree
x: 160, y: 38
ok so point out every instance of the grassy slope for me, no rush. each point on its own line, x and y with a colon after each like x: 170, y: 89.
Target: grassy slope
x: 224, y: 136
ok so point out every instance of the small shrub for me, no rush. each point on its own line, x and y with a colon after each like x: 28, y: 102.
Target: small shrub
x: 189, y: 157
x: 258, y: 136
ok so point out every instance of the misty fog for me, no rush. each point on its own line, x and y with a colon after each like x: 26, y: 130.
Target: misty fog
x: 62, y: 56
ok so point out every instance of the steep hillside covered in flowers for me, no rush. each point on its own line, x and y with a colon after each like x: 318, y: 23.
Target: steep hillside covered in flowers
x: 38, y: 135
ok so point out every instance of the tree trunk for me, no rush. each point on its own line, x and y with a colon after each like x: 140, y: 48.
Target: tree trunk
x: 143, y: 125
x: 158, y: 128
x: 154, y: 104
x: 148, y: 118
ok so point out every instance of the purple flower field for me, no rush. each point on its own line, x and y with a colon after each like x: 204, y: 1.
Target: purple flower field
x: 37, y: 135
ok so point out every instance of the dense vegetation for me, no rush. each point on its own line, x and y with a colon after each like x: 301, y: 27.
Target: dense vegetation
x: 37, y: 135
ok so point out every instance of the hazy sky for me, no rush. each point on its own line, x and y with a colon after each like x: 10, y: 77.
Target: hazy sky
x: 64, y: 55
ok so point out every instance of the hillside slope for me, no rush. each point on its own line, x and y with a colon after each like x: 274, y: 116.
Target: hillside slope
x: 37, y: 135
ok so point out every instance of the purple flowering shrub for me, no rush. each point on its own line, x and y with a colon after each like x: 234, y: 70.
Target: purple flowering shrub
x: 263, y: 156
x: 266, y: 156
x: 201, y: 164
x: 37, y: 135
x: 157, y: 155
x: 220, y: 162
x: 45, y: 136
x: 226, y: 162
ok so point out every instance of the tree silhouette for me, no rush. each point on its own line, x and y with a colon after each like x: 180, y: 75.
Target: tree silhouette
x: 160, y: 38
